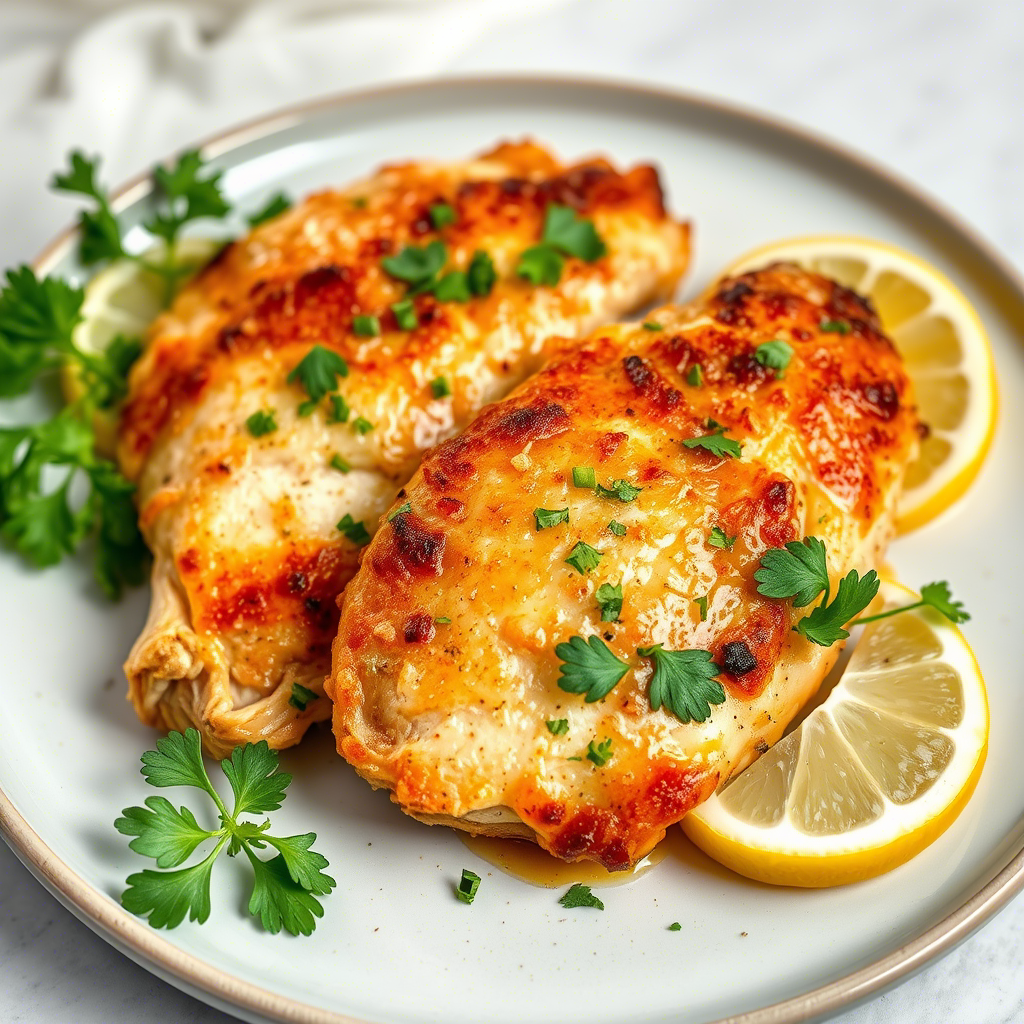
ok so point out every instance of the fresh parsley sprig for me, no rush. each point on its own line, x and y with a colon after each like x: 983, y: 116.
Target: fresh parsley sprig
x: 285, y: 886
x: 933, y: 595
x: 716, y: 442
x: 589, y: 667
x: 564, y: 234
x: 684, y: 681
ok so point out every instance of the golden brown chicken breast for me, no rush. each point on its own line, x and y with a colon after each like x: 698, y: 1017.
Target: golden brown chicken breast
x: 601, y: 501
x: 293, y: 385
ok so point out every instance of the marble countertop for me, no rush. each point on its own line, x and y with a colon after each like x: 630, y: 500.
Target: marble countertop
x: 931, y: 89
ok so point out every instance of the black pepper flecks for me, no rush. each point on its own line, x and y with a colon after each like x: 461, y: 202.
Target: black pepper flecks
x: 737, y: 659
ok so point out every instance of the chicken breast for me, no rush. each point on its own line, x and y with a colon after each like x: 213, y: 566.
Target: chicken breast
x: 242, y: 514
x: 445, y: 675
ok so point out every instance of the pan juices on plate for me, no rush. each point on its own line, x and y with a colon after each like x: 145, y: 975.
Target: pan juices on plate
x: 294, y: 384
x: 557, y: 633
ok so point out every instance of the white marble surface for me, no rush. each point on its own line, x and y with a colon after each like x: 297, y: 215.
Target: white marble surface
x: 931, y: 89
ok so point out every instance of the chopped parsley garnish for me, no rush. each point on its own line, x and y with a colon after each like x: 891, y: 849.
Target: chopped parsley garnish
x: 465, y: 891
x: 360, y: 202
x: 558, y: 726
x: 540, y: 264
x: 684, y: 681
x: 652, y: 325
x: 719, y: 539
x: 675, y: 926
x: 621, y: 489
x: 600, y: 753
x: 366, y: 326
x: 695, y: 375
x: 285, y: 886
x: 609, y: 600
x: 579, y: 895
x: 933, y: 595
x: 318, y: 372
x: 584, y: 477
x: 617, y: 528
x: 775, y: 355
x: 716, y: 442
x: 301, y: 696
x: 261, y: 422
x: 400, y: 511
x: 583, y: 557
x: 361, y: 425
x: 589, y: 667
x: 442, y: 215
x: 834, y: 326
x: 702, y: 605
x: 564, y: 234
x: 273, y: 207
x: 340, y: 464
x: 405, y: 314
x: 800, y: 571
x: 453, y: 287
x: 417, y: 266
x: 481, y: 275
x: 440, y: 388
x: 307, y: 408
x: 339, y: 409
x: 547, y: 517
x: 354, y: 530
x: 443, y: 620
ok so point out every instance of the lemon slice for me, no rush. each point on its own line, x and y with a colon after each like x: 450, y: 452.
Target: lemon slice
x: 124, y: 299
x: 944, y: 346
x: 872, y: 775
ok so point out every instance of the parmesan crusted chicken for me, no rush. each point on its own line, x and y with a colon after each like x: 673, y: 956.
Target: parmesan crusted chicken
x: 445, y: 675
x: 245, y: 465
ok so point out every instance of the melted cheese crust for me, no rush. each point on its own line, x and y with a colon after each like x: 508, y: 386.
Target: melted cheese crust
x: 248, y: 560
x: 451, y: 717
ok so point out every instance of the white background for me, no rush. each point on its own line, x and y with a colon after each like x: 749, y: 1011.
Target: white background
x: 933, y: 90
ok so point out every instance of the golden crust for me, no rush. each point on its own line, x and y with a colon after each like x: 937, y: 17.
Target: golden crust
x: 451, y: 715
x: 249, y: 562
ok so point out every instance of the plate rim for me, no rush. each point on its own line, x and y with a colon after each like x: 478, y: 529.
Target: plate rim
x: 132, y: 935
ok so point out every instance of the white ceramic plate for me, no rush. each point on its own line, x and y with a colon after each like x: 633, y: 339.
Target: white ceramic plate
x: 395, y: 946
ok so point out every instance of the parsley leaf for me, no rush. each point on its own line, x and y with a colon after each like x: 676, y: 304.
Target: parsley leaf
x: 584, y: 477
x: 775, y: 355
x: 415, y: 265
x: 364, y: 326
x: 719, y: 539
x: 273, y: 207
x: 187, y: 195
x: 481, y: 275
x: 798, y: 570
x: 570, y: 234
x: 468, y: 885
x: 621, y: 489
x: 599, y: 753
x: 167, y: 835
x: 261, y: 423
x: 301, y: 696
x: 405, y: 314
x: 609, y: 600
x: 361, y: 425
x: 547, y: 517
x: 540, y: 265
x: 354, y: 531
x: 558, y: 726
x: 318, y: 372
x: 340, y: 464
x: 834, y: 326
x: 716, y: 443
x: 684, y: 681
x: 675, y: 926
x: 652, y: 325
x: 453, y: 287
x: 617, y: 528
x: 99, y: 231
x: 695, y: 375
x: 284, y: 887
x: 442, y: 214
x: 339, y: 409
x: 933, y: 595
x: 584, y: 558
x: 702, y: 606
x: 579, y: 895
x: 440, y: 388
x: 400, y: 511
x: 824, y: 626
x: 588, y: 666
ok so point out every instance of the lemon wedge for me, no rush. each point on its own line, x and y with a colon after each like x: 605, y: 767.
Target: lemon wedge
x: 124, y: 299
x: 872, y: 775
x: 943, y: 344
